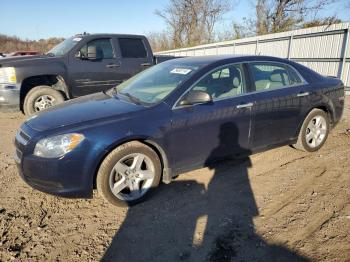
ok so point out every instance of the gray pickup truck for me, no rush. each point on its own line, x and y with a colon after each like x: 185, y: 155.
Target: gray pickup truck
x: 80, y: 65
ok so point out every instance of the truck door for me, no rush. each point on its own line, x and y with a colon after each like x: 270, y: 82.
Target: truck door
x: 134, y: 54
x: 94, y: 75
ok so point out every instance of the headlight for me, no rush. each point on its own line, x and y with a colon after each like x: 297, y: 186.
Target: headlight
x: 57, y: 146
x: 8, y: 75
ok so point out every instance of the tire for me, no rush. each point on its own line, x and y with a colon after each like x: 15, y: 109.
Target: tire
x: 121, y: 170
x: 310, y: 138
x: 44, y: 96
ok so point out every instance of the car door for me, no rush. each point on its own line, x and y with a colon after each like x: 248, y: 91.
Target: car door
x: 204, y: 133
x: 134, y: 55
x: 91, y: 76
x: 280, y: 95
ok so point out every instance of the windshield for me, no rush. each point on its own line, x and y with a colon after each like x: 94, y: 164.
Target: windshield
x: 63, y: 47
x: 154, y: 84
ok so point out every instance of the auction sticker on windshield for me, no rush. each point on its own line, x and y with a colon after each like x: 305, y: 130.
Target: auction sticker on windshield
x: 181, y: 71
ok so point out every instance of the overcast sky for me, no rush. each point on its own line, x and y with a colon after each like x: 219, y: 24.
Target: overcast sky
x: 37, y: 19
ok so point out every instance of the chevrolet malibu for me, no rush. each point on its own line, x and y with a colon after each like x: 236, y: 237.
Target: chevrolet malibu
x: 174, y: 117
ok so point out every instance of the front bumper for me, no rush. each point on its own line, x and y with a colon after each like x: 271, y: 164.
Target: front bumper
x: 68, y: 176
x: 9, y: 97
x: 52, y: 177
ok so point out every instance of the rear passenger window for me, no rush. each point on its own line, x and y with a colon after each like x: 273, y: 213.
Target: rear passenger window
x: 225, y: 82
x: 132, y: 48
x: 273, y: 76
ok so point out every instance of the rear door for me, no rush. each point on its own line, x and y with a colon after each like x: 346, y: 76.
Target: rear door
x: 91, y: 76
x: 134, y: 54
x: 280, y: 95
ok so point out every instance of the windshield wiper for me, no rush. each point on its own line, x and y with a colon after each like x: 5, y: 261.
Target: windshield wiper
x: 50, y: 54
x: 132, y: 98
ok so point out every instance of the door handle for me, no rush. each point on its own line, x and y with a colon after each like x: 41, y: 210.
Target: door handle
x: 245, y: 105
x: 303, y: 94
x: 112, y: 65
x: 146, y: 64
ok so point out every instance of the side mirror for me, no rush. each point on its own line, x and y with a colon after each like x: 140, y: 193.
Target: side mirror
x: 78, y: 55
x: 196, y: 97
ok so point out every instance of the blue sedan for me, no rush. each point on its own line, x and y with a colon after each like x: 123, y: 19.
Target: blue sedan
x: 174, y: 117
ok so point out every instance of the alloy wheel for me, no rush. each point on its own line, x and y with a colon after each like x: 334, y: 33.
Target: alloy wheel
x: 132, y: 177
x: 43, y: 102
x: 316, y: 131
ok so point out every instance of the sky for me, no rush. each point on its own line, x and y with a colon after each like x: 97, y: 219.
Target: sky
x: 36, y: 19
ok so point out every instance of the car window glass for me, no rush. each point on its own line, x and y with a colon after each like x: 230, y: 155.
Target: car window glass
x: 157, y: 82
x: 294, y: 78
x: 132, y: 48
x: 224, y: 82
x: 269, y: 76
x: 104, y: 48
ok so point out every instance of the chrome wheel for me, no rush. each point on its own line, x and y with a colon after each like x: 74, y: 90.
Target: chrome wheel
x: 316, y: 131
x: 132, y: 177
x: 43, y: 102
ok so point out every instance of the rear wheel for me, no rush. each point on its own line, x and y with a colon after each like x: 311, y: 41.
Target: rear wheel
x: 40, y: 98
x: 314, y: 131
x: 128, y: 174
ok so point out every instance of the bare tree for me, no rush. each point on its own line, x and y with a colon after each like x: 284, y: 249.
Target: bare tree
x: 192, y: 22
x: 12, y: 43
x: 159, y: 41
x: 274, y: 16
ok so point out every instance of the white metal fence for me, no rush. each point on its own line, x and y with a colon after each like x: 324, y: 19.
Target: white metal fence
x: 325, y: 49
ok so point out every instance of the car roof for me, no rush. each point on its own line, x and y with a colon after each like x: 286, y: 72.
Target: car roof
x: 224, y: 59
x: 110, y: 35
x: 217, y: 58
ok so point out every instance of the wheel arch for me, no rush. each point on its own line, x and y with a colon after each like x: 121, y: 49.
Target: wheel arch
x: 166, y: 170
x: 57, y: 82
x: 324, y: 107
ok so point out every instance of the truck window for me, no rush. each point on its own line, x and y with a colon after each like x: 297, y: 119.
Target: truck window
x: 103, y: 47
x: 132, y: 48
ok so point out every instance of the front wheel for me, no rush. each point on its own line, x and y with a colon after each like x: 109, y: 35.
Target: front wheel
x: 314, y: 131
x: 40, y: 98
x: 128, y: 174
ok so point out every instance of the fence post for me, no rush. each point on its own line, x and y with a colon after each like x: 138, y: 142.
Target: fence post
x: 234, y: 48
x: 345, y: 50
x: 290, y: 46
x: 256, y: 47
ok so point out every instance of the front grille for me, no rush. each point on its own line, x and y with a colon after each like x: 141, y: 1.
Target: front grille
x: 22, y: 137
x: 18, y: 156
x: 18, y: 153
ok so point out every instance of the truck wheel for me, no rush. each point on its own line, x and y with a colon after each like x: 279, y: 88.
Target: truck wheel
x: 128, y: 174
x: 314, y: 131
x: 40, y: 98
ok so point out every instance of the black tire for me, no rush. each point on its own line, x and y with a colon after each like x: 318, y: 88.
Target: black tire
x: 104, y: 172
x: 301, y: 143
x: 36, y: 93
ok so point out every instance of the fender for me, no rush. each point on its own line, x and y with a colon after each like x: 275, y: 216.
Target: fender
x: 167, y: 172
x: 62, y: 86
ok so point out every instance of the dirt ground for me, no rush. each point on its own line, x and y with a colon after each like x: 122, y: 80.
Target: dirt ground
x: 280, y: 205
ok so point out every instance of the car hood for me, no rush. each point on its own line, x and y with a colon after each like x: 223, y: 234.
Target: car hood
x: 14, y: 60
x: 91, y: 108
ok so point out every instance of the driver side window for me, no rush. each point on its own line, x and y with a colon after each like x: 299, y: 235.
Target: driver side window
x: 224, y: 82
x: 103, y: 47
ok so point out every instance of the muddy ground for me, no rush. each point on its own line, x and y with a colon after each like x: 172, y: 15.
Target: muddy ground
x: 280, y: 205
